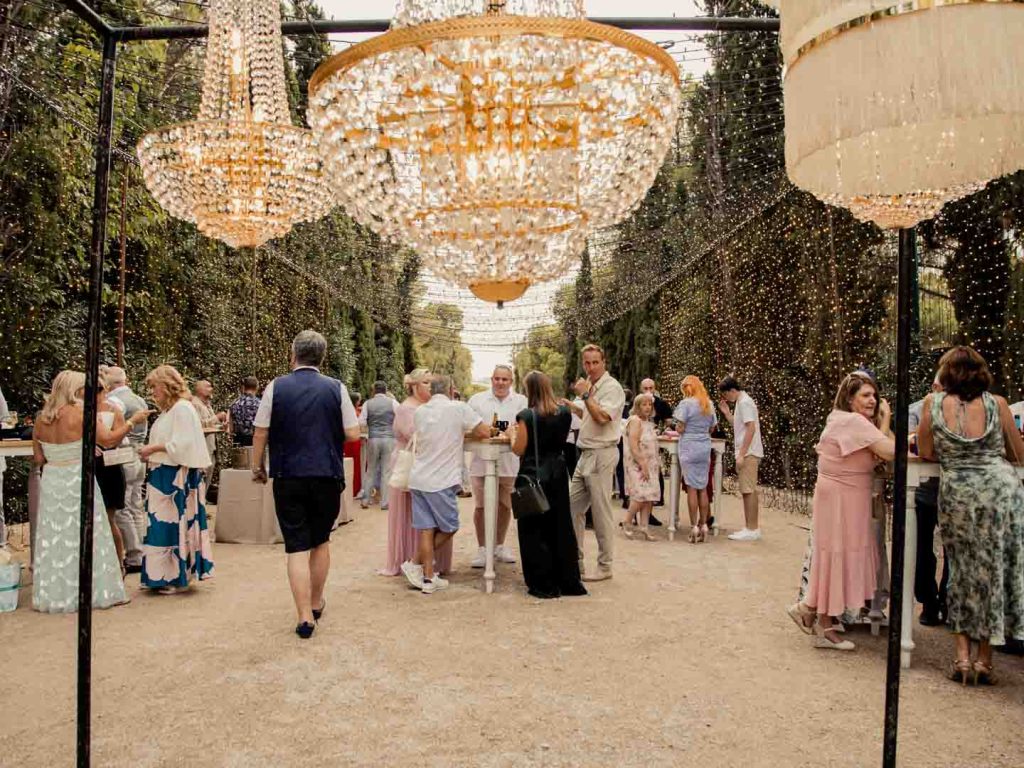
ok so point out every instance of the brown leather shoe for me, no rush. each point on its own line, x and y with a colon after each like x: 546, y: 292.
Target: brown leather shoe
x: 599, y: 576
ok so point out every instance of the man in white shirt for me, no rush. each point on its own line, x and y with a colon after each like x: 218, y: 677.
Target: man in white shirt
x: 436, y: 476
x: 501, y: 402
x: 600, y: 431
x: 746, y: 426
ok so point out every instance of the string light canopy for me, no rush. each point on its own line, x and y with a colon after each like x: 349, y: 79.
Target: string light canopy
x: 895, y: 108
x: 493, y: 137
x: 241, y: 172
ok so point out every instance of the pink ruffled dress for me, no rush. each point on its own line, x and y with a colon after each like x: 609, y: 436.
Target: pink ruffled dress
x: 844, y: 559
x: 401, y: 535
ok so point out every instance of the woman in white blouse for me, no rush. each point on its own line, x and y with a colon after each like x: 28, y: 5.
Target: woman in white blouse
x: 175, y: 553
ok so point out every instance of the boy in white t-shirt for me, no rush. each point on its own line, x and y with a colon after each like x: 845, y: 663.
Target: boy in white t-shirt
x: 749, y: 451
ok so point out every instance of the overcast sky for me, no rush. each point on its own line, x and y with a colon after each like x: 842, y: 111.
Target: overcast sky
x: 489, y: 332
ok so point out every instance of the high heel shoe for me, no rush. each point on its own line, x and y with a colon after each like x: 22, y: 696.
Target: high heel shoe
x: 624, y: 527
x: 960, y: 671
x: 984, y: 674
x: 647, y: 534
x: 704, y: 532
x: 694, y: 535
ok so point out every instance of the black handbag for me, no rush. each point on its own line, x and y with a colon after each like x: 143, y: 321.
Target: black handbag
x: 528, y: 497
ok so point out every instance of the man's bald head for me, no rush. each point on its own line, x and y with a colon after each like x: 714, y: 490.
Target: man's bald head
x: 647, y: 387
x: 204, y: 389
x: 114, y: 377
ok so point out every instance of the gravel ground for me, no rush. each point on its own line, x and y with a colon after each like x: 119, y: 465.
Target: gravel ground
x: 685, y: 658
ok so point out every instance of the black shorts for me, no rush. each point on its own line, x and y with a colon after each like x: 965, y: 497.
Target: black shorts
x: 111, y: 483
x: 306, y: 510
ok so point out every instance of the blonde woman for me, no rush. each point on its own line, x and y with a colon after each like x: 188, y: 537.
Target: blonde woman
x: 695, y: 419
x: 57, y: 446
x: 177, y: 545
x: 402, y: 538
x: 640, y: 457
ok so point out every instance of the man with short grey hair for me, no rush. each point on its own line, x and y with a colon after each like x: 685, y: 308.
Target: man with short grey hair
x: 436, y: 476
x: 305, y: 417
x: 131, y: 520
x: 497, y: 406
x: 202, y: 401
x: 378, y: 416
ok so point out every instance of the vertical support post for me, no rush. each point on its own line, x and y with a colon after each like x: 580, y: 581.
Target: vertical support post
x: 101, y: 185
x: 121, y: 272
x: 904, y: 300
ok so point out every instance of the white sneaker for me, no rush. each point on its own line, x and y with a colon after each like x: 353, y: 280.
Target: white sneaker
x: 503, y: 554
x: 434, y: 585
x: 746, y: 535
x: 413, y: 574
x: 480, y: 560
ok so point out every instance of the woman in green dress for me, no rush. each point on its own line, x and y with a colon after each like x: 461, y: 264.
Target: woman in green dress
x: 981, y: 509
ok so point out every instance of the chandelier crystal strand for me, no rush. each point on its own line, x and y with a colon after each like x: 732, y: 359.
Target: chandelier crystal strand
x: 494, y: 137
x: 241, y: 172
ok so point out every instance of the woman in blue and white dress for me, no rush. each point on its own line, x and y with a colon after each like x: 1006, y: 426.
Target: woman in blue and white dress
x: 57, y: 446
x: 177, y: 546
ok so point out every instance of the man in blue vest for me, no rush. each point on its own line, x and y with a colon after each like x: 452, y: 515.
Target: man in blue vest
x: 306, y: 417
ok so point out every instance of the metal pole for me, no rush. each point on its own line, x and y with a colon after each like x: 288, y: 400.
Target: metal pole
x: 904, y: 301
x: 377, y: 26
x: 121, y: 271
x: 92, y: 358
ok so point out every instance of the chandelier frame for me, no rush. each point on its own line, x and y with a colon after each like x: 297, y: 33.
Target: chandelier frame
x: 113, y: 35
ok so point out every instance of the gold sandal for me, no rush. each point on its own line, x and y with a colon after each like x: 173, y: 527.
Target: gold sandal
x: 984, y: 674
x: 960, y: 671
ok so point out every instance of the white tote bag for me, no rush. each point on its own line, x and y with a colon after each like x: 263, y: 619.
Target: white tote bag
x: 403, y: 467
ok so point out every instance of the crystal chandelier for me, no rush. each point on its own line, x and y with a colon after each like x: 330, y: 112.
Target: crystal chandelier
x: 241, y: 172
x: 493, y: 137
x: 894, y: 108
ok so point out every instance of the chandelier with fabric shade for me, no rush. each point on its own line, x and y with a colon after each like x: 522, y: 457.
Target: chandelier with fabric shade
x: 895, y: 108
x: 493, y: 137
x: 241, y: 172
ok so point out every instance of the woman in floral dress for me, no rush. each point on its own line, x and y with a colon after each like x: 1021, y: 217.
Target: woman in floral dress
x: 177, y: 546
x: 640, y: 457
x: 981, y: 509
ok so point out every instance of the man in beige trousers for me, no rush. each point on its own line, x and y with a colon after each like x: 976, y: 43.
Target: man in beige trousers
x: 591, y: 486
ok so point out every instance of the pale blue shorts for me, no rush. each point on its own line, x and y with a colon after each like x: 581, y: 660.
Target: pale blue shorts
x: 436, y: 509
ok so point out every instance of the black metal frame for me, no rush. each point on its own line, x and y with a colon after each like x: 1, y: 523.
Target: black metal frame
x: 112, y: 36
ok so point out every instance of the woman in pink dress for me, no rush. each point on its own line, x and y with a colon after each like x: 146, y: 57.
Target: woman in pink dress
x: 640, y: 460
x: 402, y: 539
x: 844, y: 558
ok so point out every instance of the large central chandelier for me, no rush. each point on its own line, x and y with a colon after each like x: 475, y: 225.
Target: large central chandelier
x: 492, y: 137
x: 241, y: 171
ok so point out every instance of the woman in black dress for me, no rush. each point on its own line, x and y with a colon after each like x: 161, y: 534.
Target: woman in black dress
x: 547, y: 543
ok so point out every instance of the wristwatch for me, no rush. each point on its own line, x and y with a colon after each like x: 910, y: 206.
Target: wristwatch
x: 585, y: 396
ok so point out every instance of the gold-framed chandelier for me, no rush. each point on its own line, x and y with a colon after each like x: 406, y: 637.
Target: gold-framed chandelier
x: 896, y: 107
x: 241, y: 172
x: 492, y: 137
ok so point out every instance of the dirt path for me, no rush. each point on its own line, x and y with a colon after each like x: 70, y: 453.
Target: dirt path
x: 685, y: 658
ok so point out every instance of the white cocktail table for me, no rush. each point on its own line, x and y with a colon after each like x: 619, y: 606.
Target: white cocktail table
x: 671, y: 446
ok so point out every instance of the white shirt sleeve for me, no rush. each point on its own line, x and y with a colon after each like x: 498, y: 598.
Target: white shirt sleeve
x: 262, y: 419
x: 348, y: 411
x: 747, y: 412
x: 470, y: 418
x: 362, y: 418
x: 187, y: 446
